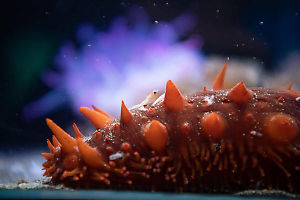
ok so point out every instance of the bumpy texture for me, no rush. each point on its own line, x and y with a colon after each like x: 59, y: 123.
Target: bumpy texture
x: 212, y: 141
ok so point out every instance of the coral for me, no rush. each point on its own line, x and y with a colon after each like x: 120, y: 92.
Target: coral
x: 214, y: 140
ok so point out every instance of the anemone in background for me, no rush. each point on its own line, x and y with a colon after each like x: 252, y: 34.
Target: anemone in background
x: 126, y: 62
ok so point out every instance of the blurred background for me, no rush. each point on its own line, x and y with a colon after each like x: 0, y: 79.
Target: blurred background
x: 59, y: 55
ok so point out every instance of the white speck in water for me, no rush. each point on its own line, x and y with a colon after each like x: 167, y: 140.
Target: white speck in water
x: 217, y: 10
x: 296, y: 13
x: 261, y: 23
x: 156, y: 22
x: 255, y: 133
x: 298, y: 99
x: 252, y: 38
x: 46, y: 13
x: 116, y: 156
x: 167, y: 3
x: 243, y: 44
x: 237, y: 45
x: 254, y: 58
x: 89, y: 45
x: 154, y: 4
x: 228, y: 58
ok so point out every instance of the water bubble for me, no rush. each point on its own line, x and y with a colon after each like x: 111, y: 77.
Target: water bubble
x: 156, y: 22
x: 154, y: 4
x: 89, y: 45
x: 237, y: 45
x: 261, y: 23
x: 228, y: 58
x: 167, y: 3
x: 217, y: 10
x: 252, y: 38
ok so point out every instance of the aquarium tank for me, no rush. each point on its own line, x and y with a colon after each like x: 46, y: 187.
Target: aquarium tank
x: 150, y: 99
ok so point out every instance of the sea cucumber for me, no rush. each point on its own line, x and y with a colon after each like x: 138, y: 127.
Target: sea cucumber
x: 213, y: 141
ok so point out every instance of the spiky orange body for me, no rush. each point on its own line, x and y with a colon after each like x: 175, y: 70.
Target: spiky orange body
x: 218, y: 140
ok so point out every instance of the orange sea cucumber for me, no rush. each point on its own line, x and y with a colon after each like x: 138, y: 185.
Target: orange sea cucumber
x: 215, y: 140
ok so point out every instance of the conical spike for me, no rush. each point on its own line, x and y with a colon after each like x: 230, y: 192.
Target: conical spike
x: 239, y: 94
x: 99, y: 120
x: 102, y: 112
x: 219, y: 81
x: 68, y: 143
x: 48, y: 156
x: 174, y: 101
x: 289, y: 87
x: 50, y: 146
x: 90, y: 156
x: 213, y: 125
x: 126, y: 116
x: 77, y: 132
x: 156, y: 135
x: 55, y: 141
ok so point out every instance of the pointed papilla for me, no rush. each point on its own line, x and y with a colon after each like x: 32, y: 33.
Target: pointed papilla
x: 77, y: 131
x: 50, y: 146
x: 98, y: 119
x: 126, y: 116
x: 289, y: 87
x: 219, y: 81
x: 281, y: 99
x: 48, y: 156
x: 68, y: 143
x: 102, y: 112
x: 174, y: 101
x: 239, y: 94
x: 156, y: 135
x: 55, y: 141
x: 90, y: 156
x: 213, y: 125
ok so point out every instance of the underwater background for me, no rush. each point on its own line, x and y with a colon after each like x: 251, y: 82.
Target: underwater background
x: 59, y: 55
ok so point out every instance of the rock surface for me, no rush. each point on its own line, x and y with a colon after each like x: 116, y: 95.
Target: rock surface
x: 45, y: 184
x: 42, y: 184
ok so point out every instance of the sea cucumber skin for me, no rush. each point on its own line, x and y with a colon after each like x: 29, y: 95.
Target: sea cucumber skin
x: 243, y: 156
